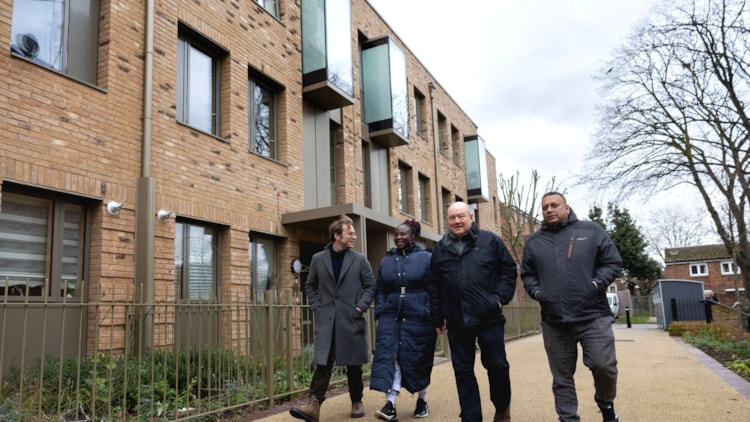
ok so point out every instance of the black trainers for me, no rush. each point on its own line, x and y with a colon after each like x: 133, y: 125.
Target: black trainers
x: 387, y: 413
x: 421, y: 411
x: 609, y: 415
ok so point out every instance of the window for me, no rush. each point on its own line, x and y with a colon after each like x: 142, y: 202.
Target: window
x: 262, y: 118
x: 62, y: 35
x: 41, y: 241
x: 271, y: 6
x: 424, y: 197
x: 727, y: 268
x: 442, y: 135
x: 698, y: 269
x: 455, y: 142
x: 264, y: 265
x: 198, y: 81
x: 404, y: 173
x: 419, y: 111
x: 196, y: 262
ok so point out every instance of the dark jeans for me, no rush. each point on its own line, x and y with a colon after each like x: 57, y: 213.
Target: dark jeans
x: 463, y: 355
x: 322, y: 377
x: 598, y: 344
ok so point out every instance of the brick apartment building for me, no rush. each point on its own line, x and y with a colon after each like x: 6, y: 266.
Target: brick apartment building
x: 181, y: 151
x: 711, y: 264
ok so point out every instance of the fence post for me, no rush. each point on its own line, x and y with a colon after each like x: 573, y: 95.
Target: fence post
x: 269, y: 348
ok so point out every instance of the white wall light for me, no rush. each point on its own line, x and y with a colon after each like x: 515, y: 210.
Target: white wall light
x: 164, y: 215
x: 113, y: 208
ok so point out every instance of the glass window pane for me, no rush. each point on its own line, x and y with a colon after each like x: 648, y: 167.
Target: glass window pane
x: 72, y: 250
x: 62, y: 35
x: 201, y: 262
x: 24, y: 244
x: 264, y: 266
x: 195, y: 262
x: 262, y: 120
x: 271, y: 6
x: 44, y: 22
x: 339, y: 49
x: 200, y: 87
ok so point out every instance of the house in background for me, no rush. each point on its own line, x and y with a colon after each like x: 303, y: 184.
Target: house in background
x: 711, y: 264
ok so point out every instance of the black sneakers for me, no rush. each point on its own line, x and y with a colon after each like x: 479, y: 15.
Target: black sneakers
x: 421, y: 411
x: 387, y: 413
x: 609, y: 415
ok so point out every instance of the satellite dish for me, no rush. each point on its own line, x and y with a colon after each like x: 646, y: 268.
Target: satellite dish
x: 28, y: 45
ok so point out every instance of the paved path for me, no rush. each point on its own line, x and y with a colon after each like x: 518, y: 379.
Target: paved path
x: 661, y: 380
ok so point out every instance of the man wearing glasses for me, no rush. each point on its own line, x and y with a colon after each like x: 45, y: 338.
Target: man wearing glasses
x: 340, y: 288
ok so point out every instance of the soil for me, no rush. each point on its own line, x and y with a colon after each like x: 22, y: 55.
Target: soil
x: 723, y: 357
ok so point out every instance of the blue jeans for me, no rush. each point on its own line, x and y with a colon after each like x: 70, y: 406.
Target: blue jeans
x: 598, y: 344
x: 463, y: 355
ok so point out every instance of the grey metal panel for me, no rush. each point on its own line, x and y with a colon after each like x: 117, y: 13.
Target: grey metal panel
x: 316, y: 156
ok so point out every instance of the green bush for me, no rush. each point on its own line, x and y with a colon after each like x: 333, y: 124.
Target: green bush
x: 710, y: 338
x: 158, y: 386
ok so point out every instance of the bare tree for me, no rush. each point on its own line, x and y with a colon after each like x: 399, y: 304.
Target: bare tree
x: 670, y: 227
x: 674, y: 113
x: 520, y: 210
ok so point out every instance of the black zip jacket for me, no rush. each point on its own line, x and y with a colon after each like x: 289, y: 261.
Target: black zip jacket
x: 570, y: 265
x: 467, y: 288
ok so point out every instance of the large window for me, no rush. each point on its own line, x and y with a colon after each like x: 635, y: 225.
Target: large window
x: 198, y: 81
x: 61, y: 34
x: 41, y: 244
x: 264, y: 265
x: 262, y: 119
x: 272, y: 6
x: 196, y: 262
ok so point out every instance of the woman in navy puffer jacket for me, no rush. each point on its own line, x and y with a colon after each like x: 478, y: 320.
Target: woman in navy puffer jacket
x: 405, y: 341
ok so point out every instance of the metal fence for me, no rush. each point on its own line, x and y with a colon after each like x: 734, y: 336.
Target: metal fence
x: 111, y: 359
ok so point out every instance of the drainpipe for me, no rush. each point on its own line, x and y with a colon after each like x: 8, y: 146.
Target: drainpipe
x: 145, y: 205
x: 438, y: 192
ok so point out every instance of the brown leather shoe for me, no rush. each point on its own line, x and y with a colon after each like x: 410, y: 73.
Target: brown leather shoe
x: 358, y: 410
x: 310, y: 412
x: 503, y: 416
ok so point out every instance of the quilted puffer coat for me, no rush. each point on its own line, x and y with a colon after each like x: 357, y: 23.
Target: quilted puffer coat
x: 402, y: 310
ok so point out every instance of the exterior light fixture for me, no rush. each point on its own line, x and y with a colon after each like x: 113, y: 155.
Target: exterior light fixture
x: 164, y: 215
x: 113, y: 208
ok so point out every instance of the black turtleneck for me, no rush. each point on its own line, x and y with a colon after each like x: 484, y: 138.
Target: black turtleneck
x: 337, y: 259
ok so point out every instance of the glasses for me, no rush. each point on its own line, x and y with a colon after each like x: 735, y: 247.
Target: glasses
x: 352, y: 234
x: 459, y: 217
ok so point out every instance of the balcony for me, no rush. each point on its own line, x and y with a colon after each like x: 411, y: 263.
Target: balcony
x: 477, y: 183
x: 385, y: 108
x: 327, y: 63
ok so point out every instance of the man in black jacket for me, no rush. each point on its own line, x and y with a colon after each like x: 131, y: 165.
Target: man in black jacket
x: 472, y: 275
x: 567, y: 266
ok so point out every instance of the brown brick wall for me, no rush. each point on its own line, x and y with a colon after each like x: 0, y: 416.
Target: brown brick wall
x: 62, y: 135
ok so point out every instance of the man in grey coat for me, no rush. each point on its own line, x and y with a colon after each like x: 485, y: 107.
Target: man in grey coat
x: 340, y: 288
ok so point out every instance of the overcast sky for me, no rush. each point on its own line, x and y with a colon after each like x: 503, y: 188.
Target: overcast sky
x: 522, y: 70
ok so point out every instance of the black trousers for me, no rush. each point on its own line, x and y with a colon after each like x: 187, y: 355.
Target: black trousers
x: 322, y: 377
